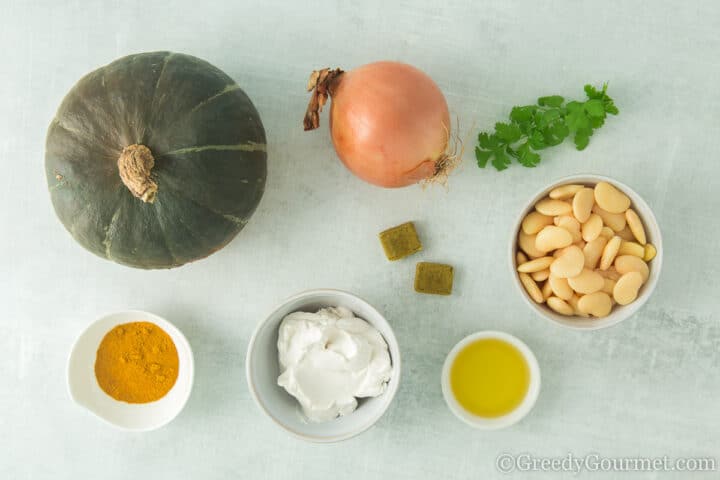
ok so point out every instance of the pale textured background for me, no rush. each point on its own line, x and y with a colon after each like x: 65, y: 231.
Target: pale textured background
x: 649, y: 386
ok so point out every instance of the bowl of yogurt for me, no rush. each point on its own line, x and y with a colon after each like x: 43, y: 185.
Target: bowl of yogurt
x: 324, y: 365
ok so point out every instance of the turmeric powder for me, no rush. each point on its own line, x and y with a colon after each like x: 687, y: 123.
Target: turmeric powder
x: 136, y: 362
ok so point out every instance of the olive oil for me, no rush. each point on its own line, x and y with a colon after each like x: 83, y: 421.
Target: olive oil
x: 489, y: 378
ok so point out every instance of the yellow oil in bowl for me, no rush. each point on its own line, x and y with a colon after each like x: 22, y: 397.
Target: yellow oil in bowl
x: 489, y: 377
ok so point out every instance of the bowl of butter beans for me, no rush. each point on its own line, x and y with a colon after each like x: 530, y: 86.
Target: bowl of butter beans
x: 586, y: 252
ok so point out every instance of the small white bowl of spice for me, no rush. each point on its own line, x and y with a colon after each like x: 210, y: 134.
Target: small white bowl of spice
x: 586, y: 252
x: 132, y: 369
x: 324, y: 365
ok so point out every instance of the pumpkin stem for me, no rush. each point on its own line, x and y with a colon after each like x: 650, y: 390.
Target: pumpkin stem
x: 320, y: 84
x: 135, y: 165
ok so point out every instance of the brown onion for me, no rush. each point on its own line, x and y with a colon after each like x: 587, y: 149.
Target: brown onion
x: 389, y: 122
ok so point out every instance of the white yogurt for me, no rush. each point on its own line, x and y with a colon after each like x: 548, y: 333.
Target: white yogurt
x: 329, y: 359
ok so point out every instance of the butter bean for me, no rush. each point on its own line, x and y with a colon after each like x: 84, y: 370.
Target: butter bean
x: 546, y: 291
x: 626, y: 234
x: 630, y: 263
x: 551, y: 207
x: 610, y: 273
x: 616, y: 221
x: 569, y: 223
x: 608, y: 285
x: 636, y: 226
x: 531, y: 287
x: 527, y: 244
x: 591, y: 229
x: 569, y: 263
x: 593, y: 251
x: 520, y: 258
x: 610, y: 198
x: 535, y: 265
x: 587, y: 282
x: 552, y: 237
x: 626, y: 289
x: 560, y: 306
x: 542, y: 275
x: 607, y: 232
x: 597, y: 304
x: 582, y: 204
x: 573, y: 303
x: 609, y: 252
x: 560, y: 287
x: 564, y: 192
x: 534, y: 222
x: 650, y: 252
x: 631, y: 248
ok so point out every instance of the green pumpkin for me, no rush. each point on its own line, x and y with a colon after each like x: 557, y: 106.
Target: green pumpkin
x: 155, y: 160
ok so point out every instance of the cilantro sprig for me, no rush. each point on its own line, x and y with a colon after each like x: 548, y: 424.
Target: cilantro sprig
x: 535, y: 127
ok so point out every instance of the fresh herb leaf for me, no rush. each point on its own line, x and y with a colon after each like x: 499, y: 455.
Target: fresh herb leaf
x: 487, y: 141
x: 482, y: 156
x: 552, y: 101
x: 508, y: 132
x: 536, y: 127
x: 500, y: 160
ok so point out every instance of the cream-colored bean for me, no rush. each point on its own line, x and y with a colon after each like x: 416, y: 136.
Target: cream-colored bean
x: 569, y: 263
x: 631, y: 248
x: 569, y: 223
x: 527, y: 244
x: 531, y: 287
x: 636, y: 226
x: 591, y: 229
x: 560, y: 287
x: 607, y: 232
x: 560, y: 306
x: 608, y: 285
x: 593, y: 251
x: 546, y: 290
x: 597, y: 304
x: 551, y: 238
x: 573, y: 302
x: 610, y: 273
x: 616, y: 221
x: 542, y: 275
x: 650, y: 252
x: 609, y: 252
x: 552, y: 207
x: 535, y: 265
x: 610, y: 198
x: 564, y: 192
x: 631, y: 263
x: 587, y: 282
x: 626, y: 234
x: 626, y: 289
x: 520, y: 258
x: 582, y: 204
x: 534, y: 222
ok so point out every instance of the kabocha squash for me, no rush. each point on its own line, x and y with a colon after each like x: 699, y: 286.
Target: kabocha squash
x: 155, y: 160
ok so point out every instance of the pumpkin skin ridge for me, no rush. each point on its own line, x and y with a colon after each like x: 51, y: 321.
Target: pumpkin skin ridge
x: 73, y: 188
x: 247, y: 166
x: 168, y: 137
x: 120, y: 252
x: 226, y: 215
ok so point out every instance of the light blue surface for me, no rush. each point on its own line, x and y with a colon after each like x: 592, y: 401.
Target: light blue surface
x: 647, y: 387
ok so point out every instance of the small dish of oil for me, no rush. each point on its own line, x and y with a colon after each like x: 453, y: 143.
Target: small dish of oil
x: 490, y: 380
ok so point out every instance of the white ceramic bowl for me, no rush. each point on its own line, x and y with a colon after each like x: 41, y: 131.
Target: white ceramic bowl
x: 619, y: 312
x: 262, y: 370
x: 85, y: 391
x: 511, y: 418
